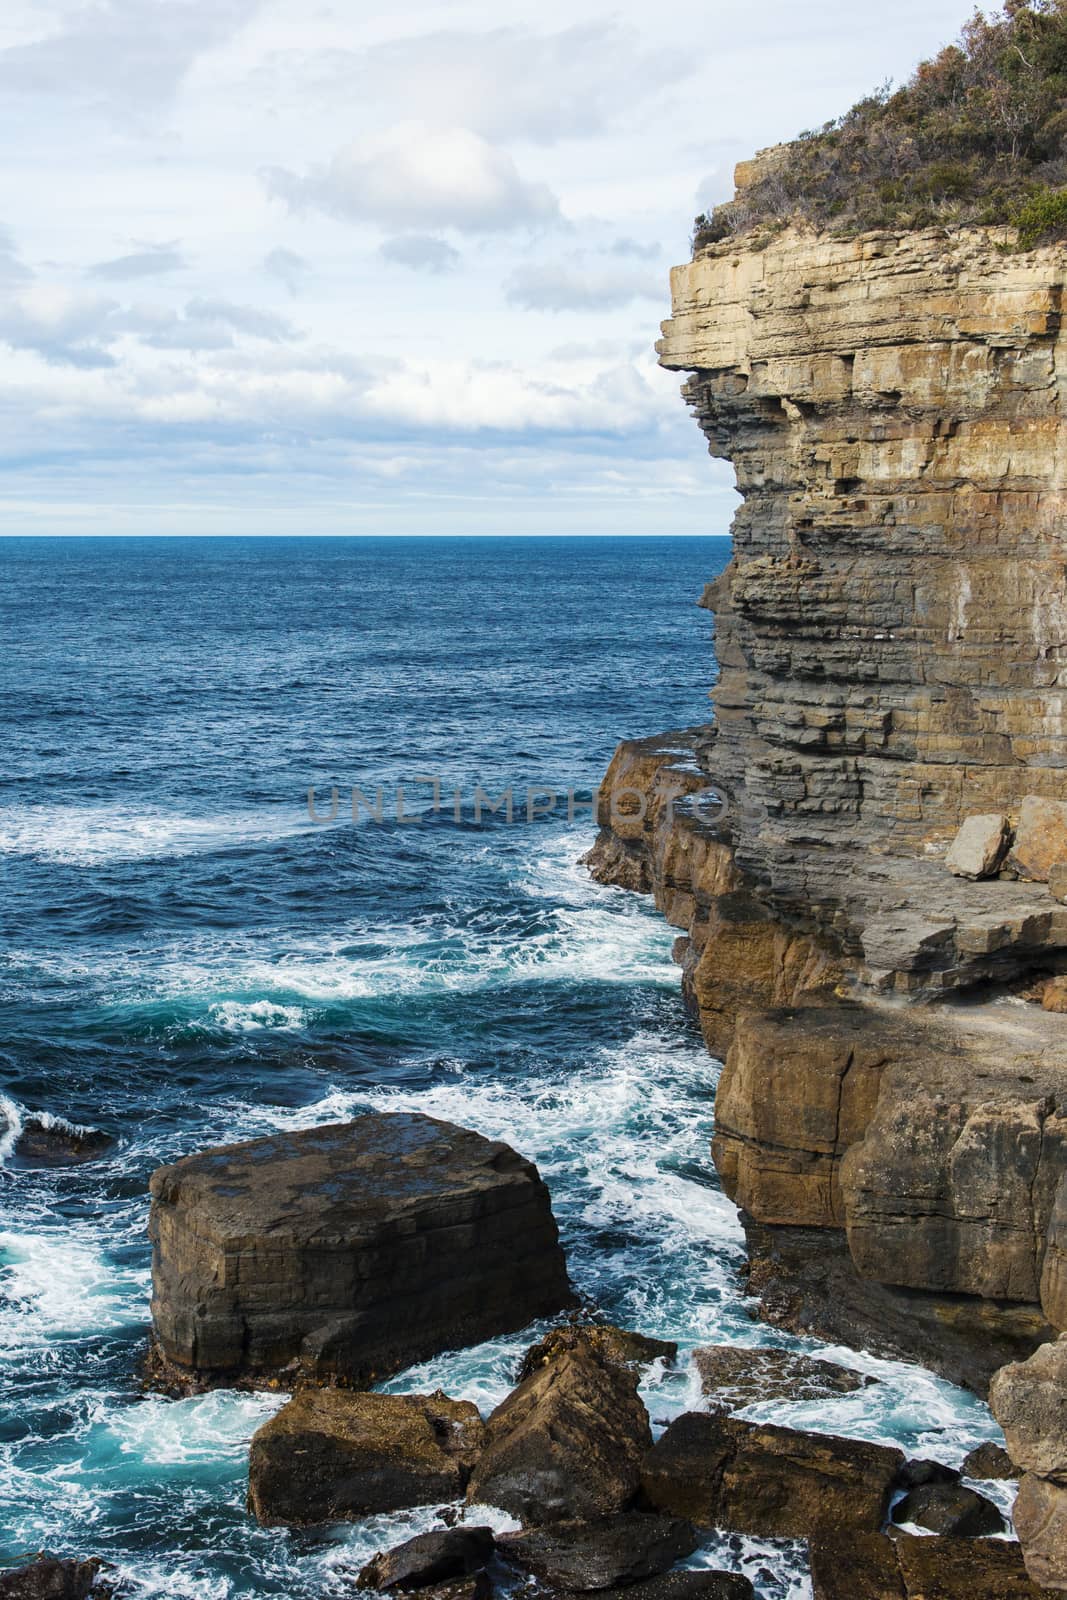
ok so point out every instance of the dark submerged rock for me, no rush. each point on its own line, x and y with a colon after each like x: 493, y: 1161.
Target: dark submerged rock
x: 331, y: 1455
x: 48, y: 1578
x: 613, y: 1344
x: 685, y: 1585
x: 723, y: 1472
x: 989, y: 1461
x: 347, y: 1251
x: 429, y: 1559
x: 45, y: 1141
x: 736, y: 1376
x: 581, y: 1556
x: 567, y: 1443
x: 951, y: 1509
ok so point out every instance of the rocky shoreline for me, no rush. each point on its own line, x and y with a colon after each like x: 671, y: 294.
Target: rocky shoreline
x: 865, y: 853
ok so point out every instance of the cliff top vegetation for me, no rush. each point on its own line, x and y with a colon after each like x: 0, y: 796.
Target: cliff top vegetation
x: 977, y: 136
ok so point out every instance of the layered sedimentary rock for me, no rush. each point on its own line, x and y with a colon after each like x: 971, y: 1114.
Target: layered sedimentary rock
x: 883, y: 988
x: 347, y: 1252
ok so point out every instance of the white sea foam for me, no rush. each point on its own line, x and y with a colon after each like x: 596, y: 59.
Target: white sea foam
x: 94, y: 835
x: 56, y: 1285
x: 236, y: 1017
x: 203, y: 1429
x: 11, y: 1122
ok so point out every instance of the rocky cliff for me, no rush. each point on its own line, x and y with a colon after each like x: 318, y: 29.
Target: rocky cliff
x: 891, y: 636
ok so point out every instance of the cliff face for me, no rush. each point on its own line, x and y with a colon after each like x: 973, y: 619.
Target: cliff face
x: 892, y: 644
x: 892, y: 631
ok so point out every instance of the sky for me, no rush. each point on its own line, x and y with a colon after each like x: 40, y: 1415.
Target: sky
x: 271, y: 266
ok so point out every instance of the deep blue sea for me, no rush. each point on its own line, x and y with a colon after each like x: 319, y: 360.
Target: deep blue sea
x: 187, y: 958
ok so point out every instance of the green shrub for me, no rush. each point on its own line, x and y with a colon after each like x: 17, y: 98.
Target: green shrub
x: 1041, y: 218
x: 977, y: 135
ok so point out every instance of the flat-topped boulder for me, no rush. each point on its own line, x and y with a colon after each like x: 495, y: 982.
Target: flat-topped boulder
x: 346, y: 1252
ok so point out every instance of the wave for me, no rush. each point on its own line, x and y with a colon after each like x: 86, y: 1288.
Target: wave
x: 100, y: 834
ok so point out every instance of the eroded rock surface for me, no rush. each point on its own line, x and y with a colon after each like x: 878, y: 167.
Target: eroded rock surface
x: 332, y: 1455
x: 601, y: 1554
x: 440, y: 1556
x: 567, y: 1443
x: 733, y: 1376
x: 347, y: 1251
x: 723, y: 1472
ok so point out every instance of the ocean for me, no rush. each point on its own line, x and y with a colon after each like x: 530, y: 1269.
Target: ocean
x: 188, y: 958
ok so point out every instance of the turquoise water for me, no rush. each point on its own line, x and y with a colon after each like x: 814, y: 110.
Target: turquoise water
x: 188, y: 958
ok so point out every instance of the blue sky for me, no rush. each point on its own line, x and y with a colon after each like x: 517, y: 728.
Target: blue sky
x: 273, y: 267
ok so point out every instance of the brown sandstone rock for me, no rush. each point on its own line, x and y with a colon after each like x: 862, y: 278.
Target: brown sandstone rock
x: 989, y: 1461
x: 351, y: 1250
x: 685, y: 1584
x: 806, y: 1282
x: 567, y: 1443
x: 601, y: 1554
x: 48, y: 1578
x: 979, y: 847
x: 951, y: 1509
x: 964, y: 1569
x: 774, y: 1482
x: 1057, y: 881
x: 871, y: 1567
x: 331, y: 1455
x: 1040, y: 837
x: 428, y: 1559
x: 735, y: 1376
x: 1054, y: 1267
x: 851, y: 1565
x: 1054, y: 995
x: 1041, y: 1523
x: 1029, y: 1400
x: 616, y: 1345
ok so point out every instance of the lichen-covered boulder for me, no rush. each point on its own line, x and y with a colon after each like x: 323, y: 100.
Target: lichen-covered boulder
x: 348, y: 1251
x: 332, y: 1454
x: 567, y: 1443
x: 775, y: 1482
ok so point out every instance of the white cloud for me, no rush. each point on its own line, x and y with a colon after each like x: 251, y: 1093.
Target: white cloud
x: 413, y: 173
x: 422, y: 252
x: 121, y: 52
x: 506, y: 83
x: 12, y: 267
x: 148, y: 261
x: 288, y: 267
x: 578, y: 285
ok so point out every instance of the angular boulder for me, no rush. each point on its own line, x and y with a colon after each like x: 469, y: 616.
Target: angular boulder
x: 1040, y: 838
x: 735, y: 1376
x: 988, y: 1461
x: 440, y: 1556
x: 348, y: 1251
x: 49, y: 1578
x: 979, y: 847
x: 614, y: 1344
x: 1029, y: 1400
x: 1040, y: 1517
x: 687, y: 1583
x: 868, y: 1566
x: 603, y: 1554
x: 331, y: 1455
x: 950, y: 1509
x: 774, y: 1482
x: 567, y: 1443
